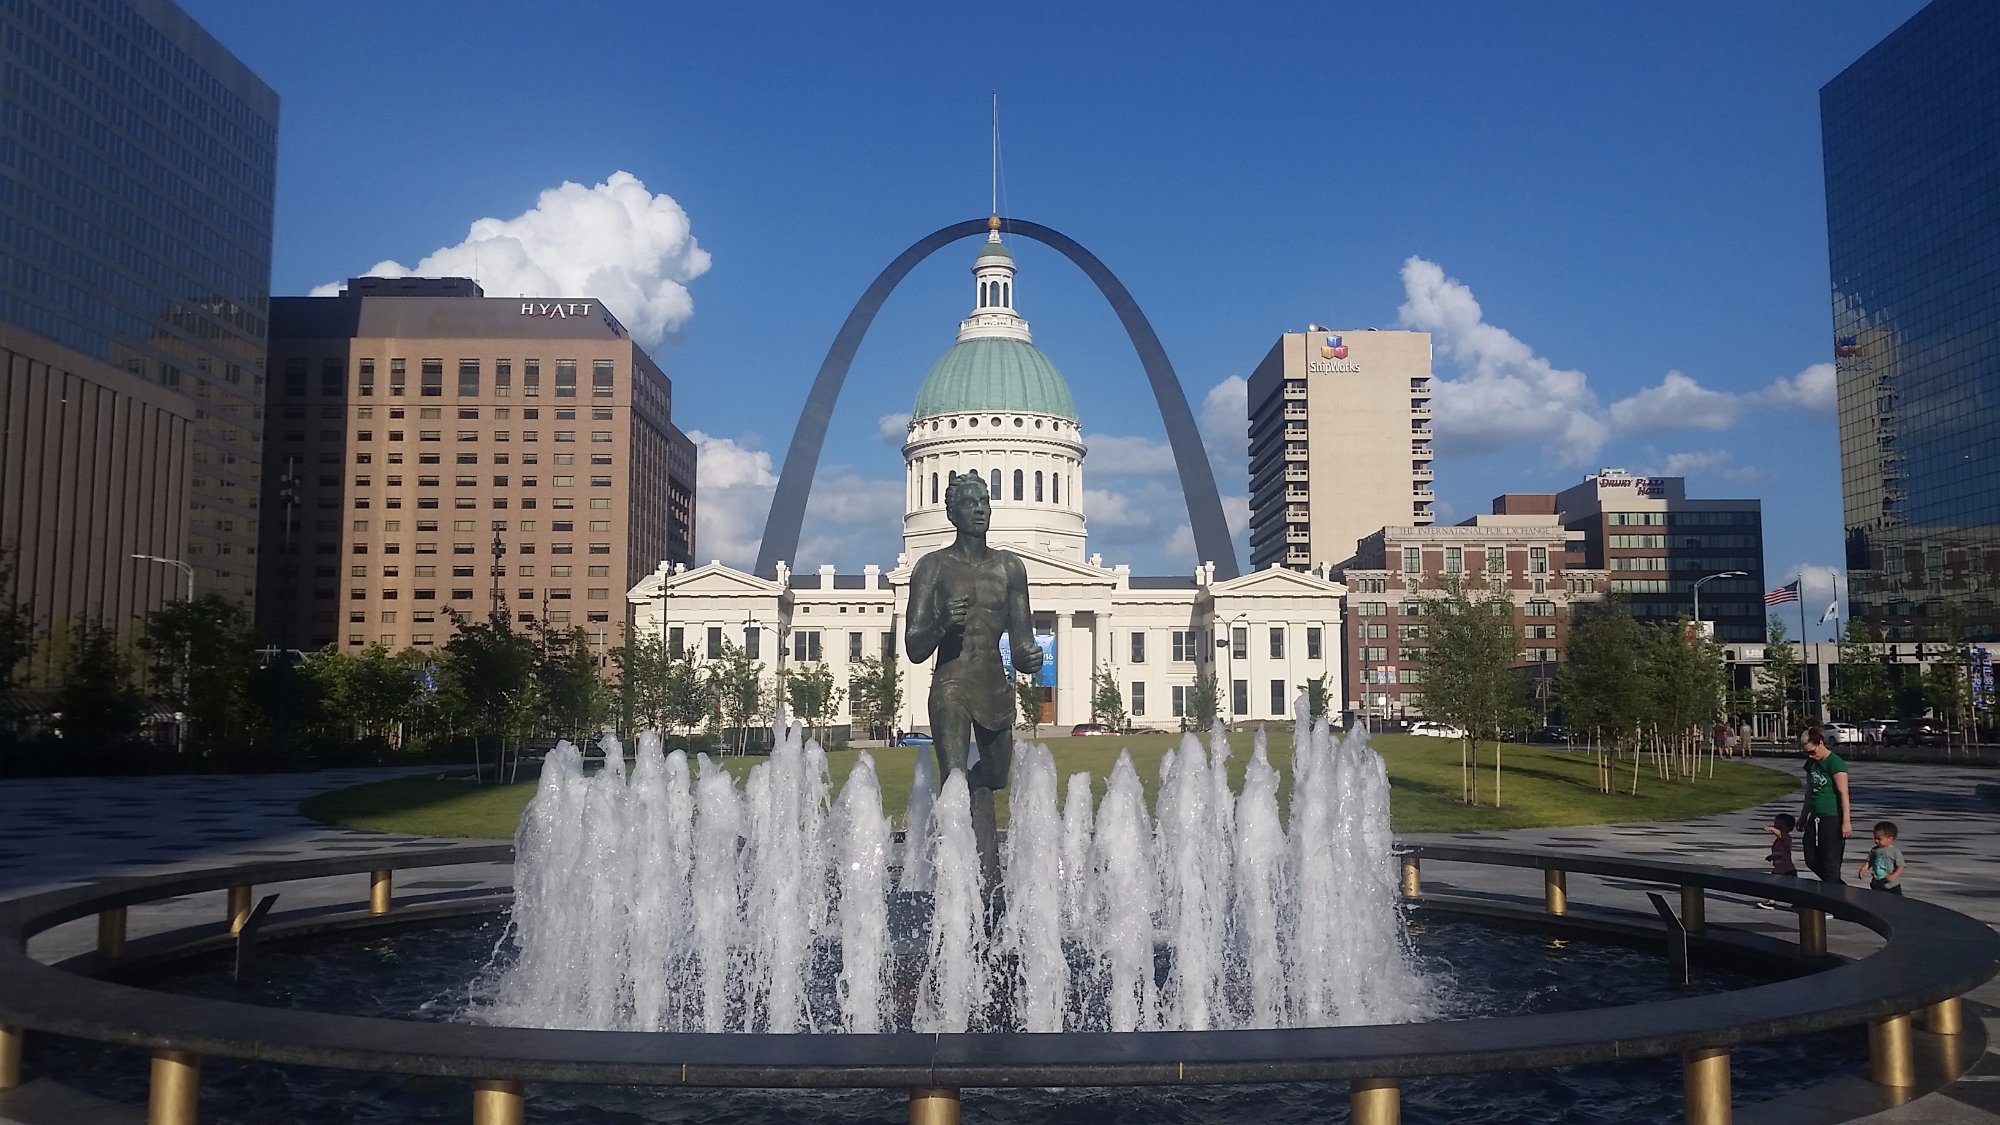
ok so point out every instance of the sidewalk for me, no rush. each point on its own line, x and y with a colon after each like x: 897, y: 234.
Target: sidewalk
x: 62, y: 831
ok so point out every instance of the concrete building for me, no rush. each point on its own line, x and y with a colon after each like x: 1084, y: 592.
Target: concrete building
x: 431, y: 446
x: 1518, y: 552
x: 1911, y: 137
x: 1340, y: 443
x: 1657, y: 543
x: 995, y: 404
x: 139, y: 160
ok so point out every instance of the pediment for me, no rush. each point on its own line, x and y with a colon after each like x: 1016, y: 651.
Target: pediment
x: 1278, y: 580
x: 712, y: 580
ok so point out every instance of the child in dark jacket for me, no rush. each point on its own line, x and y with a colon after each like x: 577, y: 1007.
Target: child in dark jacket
x: 1780, y: 828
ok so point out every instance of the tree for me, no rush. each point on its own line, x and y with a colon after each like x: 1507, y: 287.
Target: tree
x: 1469, y: 680
x: 643, y: 684
x: 1107, y: 703
x: 202, y: 659
x: 1204, y: 700
x: 1601, y: 684
x: 569, y: 693
x: 1777, y: 682
x: 875, y: 695
x: 1944, y: 685
x: 735, y: 690
x: 1861, y: 683
x: 1028, y: 698
x: 97, y: 703
x: 17, y: 628
x: 812, y: 694
x: 1684, y: 674
x: 487, y: 678
x: 1317, y: 694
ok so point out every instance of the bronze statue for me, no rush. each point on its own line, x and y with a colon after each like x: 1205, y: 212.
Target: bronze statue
x: 962, y: 597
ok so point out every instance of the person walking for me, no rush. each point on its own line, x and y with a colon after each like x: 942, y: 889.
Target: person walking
x: 1825, y: 822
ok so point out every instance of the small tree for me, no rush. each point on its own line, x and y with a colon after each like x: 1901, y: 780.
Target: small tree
x: 17, y: 628
x: 488, y: 678
x: 1684, y: 674
x: 1468, y: 674
x: 1318, y: 693
x: 1861, y: 683
x: 1777, y: 682
x: 1107, y: 703
x: 569, y: 693
x: 643, y: 681
x: 1028, y: 697
x: 202, y: 660
x: 875, y: 694
x: 813, y: 695
x: 1601, y: 685
x: 735, y: 689
x: 1204, y: 700
x: 96, y: 700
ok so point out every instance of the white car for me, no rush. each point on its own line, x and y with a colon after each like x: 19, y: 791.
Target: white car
x: 1844, y: 732
x: 1436, y: 730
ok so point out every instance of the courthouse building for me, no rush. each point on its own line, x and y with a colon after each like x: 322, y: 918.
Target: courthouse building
x: 431, y: 446
x: 994, y: 404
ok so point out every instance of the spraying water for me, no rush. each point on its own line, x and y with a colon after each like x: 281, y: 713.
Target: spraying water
x: 676, y: 900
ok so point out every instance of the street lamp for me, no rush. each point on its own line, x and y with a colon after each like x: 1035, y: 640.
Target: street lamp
x: 1697, y: 594
x: 173, y: 562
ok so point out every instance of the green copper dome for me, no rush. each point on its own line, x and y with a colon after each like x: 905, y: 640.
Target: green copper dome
x: 994, y: 250
x: 994, y: 374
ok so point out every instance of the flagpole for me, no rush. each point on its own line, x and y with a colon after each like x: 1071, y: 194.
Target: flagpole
x: 1804, y: 695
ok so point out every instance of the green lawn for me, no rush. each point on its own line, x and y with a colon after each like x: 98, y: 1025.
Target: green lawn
x: 1541, y: 786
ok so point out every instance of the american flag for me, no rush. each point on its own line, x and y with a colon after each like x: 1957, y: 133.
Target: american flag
x: 1786, y: 593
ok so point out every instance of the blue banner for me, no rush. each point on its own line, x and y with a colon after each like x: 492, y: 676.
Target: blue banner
x: 1044, y: 641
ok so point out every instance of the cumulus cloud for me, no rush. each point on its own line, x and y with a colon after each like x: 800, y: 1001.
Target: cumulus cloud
x: 734, y: 485
x: 1678, y: 403
x: 616, y: 242
x: 1235, y: 512
x: 1811, y: 389
x: 1122, y: 456
x: 1225, y: 418
x: 1819, y: 587
x: 851, y: 521
x: 893, y: 429
x: 1506, y: 395
x: 1107, y: 510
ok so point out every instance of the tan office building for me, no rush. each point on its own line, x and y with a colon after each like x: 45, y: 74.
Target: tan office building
x: 1340, y: 443
x: 430, y: 446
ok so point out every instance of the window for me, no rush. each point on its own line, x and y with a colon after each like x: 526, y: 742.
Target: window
x: 397, y: 377
x: 1277, y: 697
x: 1038, y: 486
x: 1538, y: 560
x: 1541, y: 609
x: 1454, y: 560
x: 565, y: 378
x: 676, y: 640
x: 1239, y: 643
x: 468, y: 378
x: 1020, y: 484
x: 1184, y: 644
x: 854, y: 648
x: 1179, y: 700
x: 433, y: 378
x: 753, y: 642
x: 1373, y: 632
x: 503, y: 380
x: 600, y: 378
x: 1312, y: 642
x: 1138, y: 697
x: 364, y: 379
x: 601, y: 437
x: 1413, y: 560
x: 531, y: 377
x: 805, y: 646
x: 1239, y: 697
x: 1138, y: 647
x: 1371, y: 609
x: 1496, y: 561
x: 1277, y: 642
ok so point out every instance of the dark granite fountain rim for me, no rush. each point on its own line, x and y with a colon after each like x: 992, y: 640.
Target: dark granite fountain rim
x: 1930, y: 954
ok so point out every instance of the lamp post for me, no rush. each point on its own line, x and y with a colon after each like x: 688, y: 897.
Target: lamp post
x: 1697, y: 594
x: 187, y: 652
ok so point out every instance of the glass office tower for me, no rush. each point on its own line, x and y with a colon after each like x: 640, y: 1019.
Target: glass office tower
x: 1912, y: 155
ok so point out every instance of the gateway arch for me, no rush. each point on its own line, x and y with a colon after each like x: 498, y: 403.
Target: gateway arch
x: 1204, y: 503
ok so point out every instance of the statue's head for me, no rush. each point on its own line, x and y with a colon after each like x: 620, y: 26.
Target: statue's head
x: 967, y: 503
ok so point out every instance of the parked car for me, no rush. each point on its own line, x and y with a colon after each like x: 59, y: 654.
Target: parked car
x: 1843, y: 732
x: 1081, y: 730
x: 1436, y: 730
x: 913, y: 738
x: 1876, y: 730
x: 1549, y: 735
x: 1917, y: 732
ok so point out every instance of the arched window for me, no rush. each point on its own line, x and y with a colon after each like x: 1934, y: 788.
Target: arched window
x: 1055, y: 488
x: 934, y: 492
x: 1007, y: 293
x: 996, y: 483
x: 1038, y: 486
x: 1020, y: 479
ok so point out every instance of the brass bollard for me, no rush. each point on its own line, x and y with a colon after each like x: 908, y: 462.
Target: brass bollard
x: 10, y: 1056
x: 379, y: 883
x: 1812, y: 932
x: 1705, y: 1086
x: 1946, y: 1017
x: 1374, y: 1101
x: 934, y: 1105
x: 1555, y: 891
x: 111, y: 933
x: 497, y: 1102
x: 1413, y: 883
x: 1890, y: 1062
x: 238, y: 911
x: 1694, y: 908
x: 176, y: 1091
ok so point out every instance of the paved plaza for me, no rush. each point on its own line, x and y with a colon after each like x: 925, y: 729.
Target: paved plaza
x: 60, y: 832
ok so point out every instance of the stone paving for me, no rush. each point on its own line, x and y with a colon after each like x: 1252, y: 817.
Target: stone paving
x: 62, y: 831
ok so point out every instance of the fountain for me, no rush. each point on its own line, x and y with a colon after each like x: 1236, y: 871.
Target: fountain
x: 671, y: 899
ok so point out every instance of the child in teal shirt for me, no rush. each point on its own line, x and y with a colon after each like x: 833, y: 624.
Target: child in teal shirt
x: 1884, y: 867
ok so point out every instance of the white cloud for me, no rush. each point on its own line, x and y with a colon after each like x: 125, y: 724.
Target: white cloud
x: 1235, y: 512
x: 852, y: 521
x: 1117, y: 455
x: 734, y: 484
x: 1819, y: 586
x: 1678, y: 403
x: 616, y: 242
x: 893, y: 429
x: 1106, y: 510
x: 1507, y: 395
x: 1225, y: 418
x: 1811, y: 389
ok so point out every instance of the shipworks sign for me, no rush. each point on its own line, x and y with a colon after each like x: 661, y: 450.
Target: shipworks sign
x: 1332, y: 359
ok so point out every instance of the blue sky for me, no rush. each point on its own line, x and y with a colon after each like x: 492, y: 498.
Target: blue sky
x: 1611, y: 216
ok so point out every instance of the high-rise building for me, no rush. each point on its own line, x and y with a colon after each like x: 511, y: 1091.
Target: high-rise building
x: 432, y: 447
x: 137, y: 171
x: 1521, y: 553
x: 1911, y: 133
x: 1340, y: 443
x: 1656, y: 543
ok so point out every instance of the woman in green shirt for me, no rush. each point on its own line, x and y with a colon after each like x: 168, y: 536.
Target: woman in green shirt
x: 1824, y: 824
